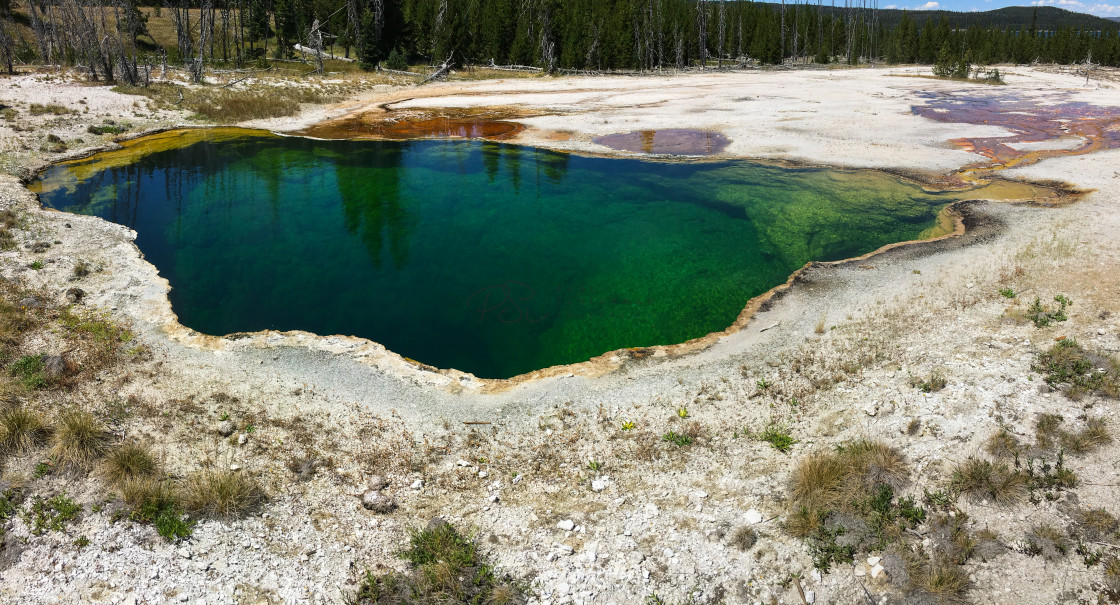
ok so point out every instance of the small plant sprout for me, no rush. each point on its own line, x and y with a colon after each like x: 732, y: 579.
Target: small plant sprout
x: 628, y: 425
x: 224, y: 416
x: 250, y: 428
x: 762, y: 384
x: 677, y: 439
x: 594, y: 465
x: 682, y: 412
x: 1007, y: 292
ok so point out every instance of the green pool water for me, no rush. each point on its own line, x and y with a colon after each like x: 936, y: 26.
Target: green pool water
x: 489, y: 258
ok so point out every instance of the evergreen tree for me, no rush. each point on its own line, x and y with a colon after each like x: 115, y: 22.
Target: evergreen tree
x: 368, y: 48
x: 258, y: 20
x: 286, y: 32
x: 945, y: 64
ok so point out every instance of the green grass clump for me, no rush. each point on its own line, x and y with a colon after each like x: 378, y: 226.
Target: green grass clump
x: 778, y: 437
x: 677, y: 439
x: 29, y: 370
x: 1081, y: 372
x: 156, y: 502
x: 446, y: 567
x: 221, y: 493
x: 933, y: 384
x: 51, y: 514
x: 21, y: 429
x: 1042, y: 317
x: 79, y: 440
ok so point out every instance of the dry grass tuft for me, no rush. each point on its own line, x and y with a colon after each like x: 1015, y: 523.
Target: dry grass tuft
x: 21, y: 429
x: 222, y: 493
x: 446, y: 567
x: 229, y: 106
x: 79, y: 440
x: 946, y: 581
x: 1048, y: 541
x: 1094, y: 435
x: 1048, y: 430
x: 824, y: 482
x: 1096, y: 524
x: 1112, y: 574
x: 140, y: 491
x: 130, y: 461
x: 744, y: 538
x: 1003, y: 445
x: 982, y: 480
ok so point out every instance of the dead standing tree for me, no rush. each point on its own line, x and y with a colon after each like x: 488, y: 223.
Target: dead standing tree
x: 315, y: 41
x: 702, y: 32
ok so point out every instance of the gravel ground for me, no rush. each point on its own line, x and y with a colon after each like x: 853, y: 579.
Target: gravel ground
x: 831, y: 357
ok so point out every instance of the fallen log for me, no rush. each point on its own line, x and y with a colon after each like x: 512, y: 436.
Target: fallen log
x: 439, y: 72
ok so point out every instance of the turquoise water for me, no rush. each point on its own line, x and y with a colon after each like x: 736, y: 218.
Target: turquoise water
x: 489, y: 258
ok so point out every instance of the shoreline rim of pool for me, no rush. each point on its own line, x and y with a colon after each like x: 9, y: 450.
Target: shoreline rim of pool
x: 598, y: 365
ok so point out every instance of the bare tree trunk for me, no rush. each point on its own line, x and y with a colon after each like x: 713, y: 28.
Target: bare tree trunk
x: 702, y: 32
x: 722, y: 33
x: 315, y: 41
x: 783, y: 36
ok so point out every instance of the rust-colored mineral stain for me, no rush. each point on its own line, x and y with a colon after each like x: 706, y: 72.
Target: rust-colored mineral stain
x: 417, y: 127
x: 1033, y: 120
x: 672, y: 141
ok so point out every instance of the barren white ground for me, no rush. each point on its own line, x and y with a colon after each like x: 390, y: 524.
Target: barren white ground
x: 663, y: 519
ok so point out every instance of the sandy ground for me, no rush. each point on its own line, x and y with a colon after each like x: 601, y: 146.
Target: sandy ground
x: 660, y: 519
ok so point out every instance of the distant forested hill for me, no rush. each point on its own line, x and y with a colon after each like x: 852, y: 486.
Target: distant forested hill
x: 1049, y: 18
x: 110, y: 38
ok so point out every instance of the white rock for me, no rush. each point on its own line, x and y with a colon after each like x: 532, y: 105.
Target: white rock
x: 860, y: 572
x: 377, y: 502
x: 419, y: 483
x: 877, y: 571
x: 242, y: 439
x: 235, y: 467
x: 483, y: 474
x: 701, y: 494
x: 598, y: 485
x: 463, y: 463
x: 1100, y: 331
x: 185, y: 552
x: 566, y: 525
x: 810, y: 597
x: 871, y: 409
x: 873, y: 561
x: 816, y: 575
x: 752, y: 516
x: 493, y: 498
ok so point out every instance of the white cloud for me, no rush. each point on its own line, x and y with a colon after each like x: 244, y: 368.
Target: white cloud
x: 890, y: 6
x: 1099, y: 9
x: 927, y: 6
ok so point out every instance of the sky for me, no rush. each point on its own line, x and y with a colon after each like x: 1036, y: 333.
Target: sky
x: 1101, y: 9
